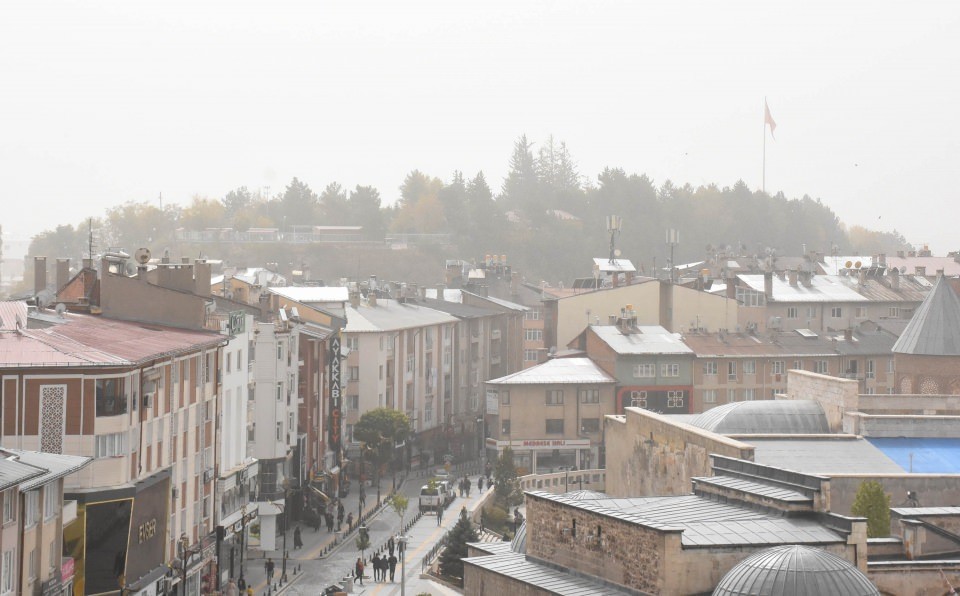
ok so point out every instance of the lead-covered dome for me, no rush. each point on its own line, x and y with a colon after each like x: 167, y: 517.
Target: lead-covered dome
x: 794, y: 570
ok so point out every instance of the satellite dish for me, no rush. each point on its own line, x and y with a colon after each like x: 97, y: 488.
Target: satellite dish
x: 848, y: 264
x: 61, y: 308
x: 142, y: 255
x: 857, y: 264
x: 616, y: 252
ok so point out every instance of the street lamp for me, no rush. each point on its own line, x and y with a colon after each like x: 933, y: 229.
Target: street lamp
x: 402, y: 545
x: 243, y: 534
x: 480, y: 437
x: 286, y: 524
x: 185, y: 552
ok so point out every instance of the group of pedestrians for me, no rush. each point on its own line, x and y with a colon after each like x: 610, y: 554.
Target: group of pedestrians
x: 382, y: 566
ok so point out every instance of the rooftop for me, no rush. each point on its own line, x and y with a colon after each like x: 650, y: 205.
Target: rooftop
x: 312, y: 294
x: 650, y: 339
x: 391, y: 315
x: 934, y: 329
x: 922, y: 456
x: 56, y: 465
x: 841, y: 454
x: 764, y: 417
x: 558, y: 371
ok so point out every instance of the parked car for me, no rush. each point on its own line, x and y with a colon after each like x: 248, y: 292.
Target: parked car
x: 431, y: 498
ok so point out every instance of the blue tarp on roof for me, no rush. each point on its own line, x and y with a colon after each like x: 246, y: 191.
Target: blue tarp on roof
x: 922, y: 456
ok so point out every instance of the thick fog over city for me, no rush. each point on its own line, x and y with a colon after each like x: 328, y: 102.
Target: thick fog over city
x: 107, y: 102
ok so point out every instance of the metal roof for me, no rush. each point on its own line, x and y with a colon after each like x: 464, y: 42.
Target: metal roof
x: 459, y: 310
x: 765, y: 417
x: 500, y: 302
x: 823, y: 288
x: 56, y: 465
x: 13, y: 312
x: 613, y: 265
x: 755, y: 488
x: 450, y: 295
x: 840, y: 455
x: 391, y: 315
x: 934, y: 329
x: 795, y: 570
x: 650, y: 339
x: 309, y: 294
x: 704, y: 522
x: 924, y: 511
x: 548, y: 579
x: 556, y: 372
x: 922, y: 456
x: 13, y: 472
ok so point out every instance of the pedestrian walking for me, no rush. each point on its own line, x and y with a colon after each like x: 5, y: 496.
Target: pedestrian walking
x: 486, y: 471
x: 297, y: 539
x: 268, y: 567
x: 460, y: 486
x: 480, y: 484
x: 363, y: 496
x: 358, y: 570
x: 439, y: 514
x: 328, y: 518
x: 350, y: 520
x: 250, y: 591
x: 231, y: 589
x: 375, y: 563
x: 391, y: 545
x: 393, y: 564
x: 468, y: 484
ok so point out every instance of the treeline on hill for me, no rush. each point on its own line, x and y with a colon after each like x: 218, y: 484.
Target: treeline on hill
x: 547, y: 217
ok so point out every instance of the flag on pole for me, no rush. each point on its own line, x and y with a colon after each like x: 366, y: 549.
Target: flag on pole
x: 768, y: 119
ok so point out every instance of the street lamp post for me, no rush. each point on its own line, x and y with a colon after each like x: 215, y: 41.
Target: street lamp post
x: 402, y: 545
x: 185, y: 552
x: 480, y: 437
x: 243, y: 534
x: 286, y: 526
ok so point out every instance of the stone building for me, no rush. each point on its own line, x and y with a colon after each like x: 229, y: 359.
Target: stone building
x: 927, y: 354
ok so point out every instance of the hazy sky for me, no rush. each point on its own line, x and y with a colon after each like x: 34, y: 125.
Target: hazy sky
x: 105, y: 102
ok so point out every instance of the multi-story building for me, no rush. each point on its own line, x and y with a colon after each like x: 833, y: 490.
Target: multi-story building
x: 34, y: 518
x: 400, y: 356
x: 551, y: 415
x: 792, y: 300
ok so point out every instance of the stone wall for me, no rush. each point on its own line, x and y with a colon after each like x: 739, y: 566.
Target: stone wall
x: 480, y: 581
x: 835, y: 395
x: 649, y: 454
x: 870, y: 425
x: 927, y: 374
x: 917, y: 578
x: 933, y: 490
x: 927, y: 405
x: 597, y: 545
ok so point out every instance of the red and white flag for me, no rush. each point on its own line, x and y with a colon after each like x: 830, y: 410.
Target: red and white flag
x: 768, y: 119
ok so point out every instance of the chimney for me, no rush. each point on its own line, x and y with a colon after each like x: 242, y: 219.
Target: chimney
x: 732, y: 288
x: 63, y: 272
x: 629, y: 276
x: 441, y: 289
x: 483, y: 291
x: 88, y: 263
x: 184, y: 260
x: 371, y: 298
x: 939, y: 272
x: 354, y: 298
x: 201, y: 277
x: 514, y: 283
x: 768, y: 284
x: 894, y: 275
x: 863, y: 276
x: 793, y: 278
x: 901, y: 254
x: 616, y: 279
x: 264, y: 301
x: 39, y: 274
x: 920, y: 270
x: 882, y: 258
x: 848, y: 334
x: 806, y: 278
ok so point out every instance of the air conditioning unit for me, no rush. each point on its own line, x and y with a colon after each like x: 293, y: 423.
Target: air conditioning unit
x: 208, y: 475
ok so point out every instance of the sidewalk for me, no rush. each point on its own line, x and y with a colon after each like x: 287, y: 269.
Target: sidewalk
x: 315, y: 544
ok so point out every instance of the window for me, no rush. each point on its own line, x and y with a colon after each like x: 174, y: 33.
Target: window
x: 871, y: 391
x: 645, y: 371
x: 731, y: 395
x: 533, y: 314
x: 749, y: 394
x: 230, y: 363
x: 279, y: 431
x: 279, y: 391
x: 893, y: 312
x: 750, y: 298
x: 836, y: 312
x: 353, y: 343
x: 555, y: 426
x: 860, y: 312
x: 32, y: 565
x: 821, y: 366
x: 749, y: 367
x: 554, y: 397
x: 710, y: 396
x: 505, y: 398
x: 6, y: 584
x: 669, y: 370
x: 533, y: 334
x: 871, y: 371
x: 589, y: 396
x: 279, y: 351
x: 428, y: 411
x: 353, y: 402
x: 589, y: 425
x: 890, y: 365
x: 710, y: 367
x: 674, y: 399
x: 638, y: 399
x: 792, y: 312
x: 776, y: 367
x: 31, y: 507
x: 240, y: 359
x: 110, y: 402
x: 505, y: 427
x: 797, y: 365
x: 353, y: 373
x: 530, y: 356
x: 732, y: 370
x: 410, y: 363
x: 9, y: 511
x: 111, y: 445
x: 811, y: 312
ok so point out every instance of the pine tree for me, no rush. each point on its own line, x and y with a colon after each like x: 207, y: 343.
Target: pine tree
x: 505, y: 478
x: 455, y: 549
x: 874, y: 504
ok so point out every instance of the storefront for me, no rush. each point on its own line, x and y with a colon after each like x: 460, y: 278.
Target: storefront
x: 547, y: 455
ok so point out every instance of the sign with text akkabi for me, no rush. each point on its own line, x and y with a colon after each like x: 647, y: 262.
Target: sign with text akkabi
x: 334, y: 422
x: 540, y: 444
x: 493, y: 402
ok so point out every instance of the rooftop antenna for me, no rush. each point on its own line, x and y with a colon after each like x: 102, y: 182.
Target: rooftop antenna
x: 673, y: 239
x: 614, y: 224
x: 90, y: 244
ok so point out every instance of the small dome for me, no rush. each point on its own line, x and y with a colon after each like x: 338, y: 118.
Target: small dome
x: 765, y: 416
x: 794, y: 570
x: 519, y: 542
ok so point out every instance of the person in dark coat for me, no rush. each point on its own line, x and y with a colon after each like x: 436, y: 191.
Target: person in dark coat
x: 375, y: 563
x: 328, y: 517
x: 393, y: 564
x: 297, y: 538
x: 358, y: 570
x: 391, y: 545
x: 480, y: 484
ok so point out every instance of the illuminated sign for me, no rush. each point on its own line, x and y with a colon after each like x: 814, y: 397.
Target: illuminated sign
x: 334, y: 422
x: 237, y: 322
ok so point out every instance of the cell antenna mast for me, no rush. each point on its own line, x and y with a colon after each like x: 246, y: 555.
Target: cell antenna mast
x: 90, y: 238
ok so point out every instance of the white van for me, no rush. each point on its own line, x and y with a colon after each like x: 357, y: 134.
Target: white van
x: 431, y: 498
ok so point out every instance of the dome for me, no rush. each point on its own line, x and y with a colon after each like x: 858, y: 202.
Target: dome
x: 794, y: 570
x: 776, y: 417
x: 519, y: 542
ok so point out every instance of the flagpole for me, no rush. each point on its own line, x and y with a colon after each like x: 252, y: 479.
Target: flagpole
x: 763, y: 181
